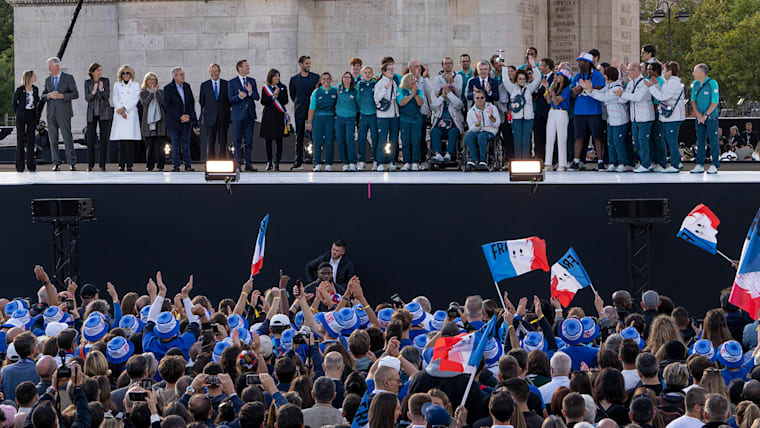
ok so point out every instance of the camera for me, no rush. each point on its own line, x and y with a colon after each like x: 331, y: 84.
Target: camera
x: 453, y: 310
x: 252, y: 379
x: 212, y: 380
x: 137, y: 395
x: 64, y: 371
x: 302, y: 337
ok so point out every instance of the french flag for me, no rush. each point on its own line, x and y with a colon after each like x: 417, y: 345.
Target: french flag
x: 746, y: 291
x: 700, y: 228
x: 462, y: 354
x: 508, y: 259
x: 258, y: 254
x: 568, y: 276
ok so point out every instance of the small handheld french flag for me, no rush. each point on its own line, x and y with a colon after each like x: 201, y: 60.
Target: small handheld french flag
x: 258, y: 254
x: 700, y: 228
x: 508, y: 259
x: 568, y: 276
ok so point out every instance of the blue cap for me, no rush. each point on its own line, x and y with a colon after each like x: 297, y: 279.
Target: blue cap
x: 633, y: 334
x: 418, y: 315
x: 94, y: 328
x: 534, y: 341
x: 218, y: 349
x: 166, y: 326
x: 730, y: 354
x: 705, y: 348
x: 435, y: 415
x: 571, y: 331
x: 590, y: 330
x: 119, y: 350
x: 384, y: 317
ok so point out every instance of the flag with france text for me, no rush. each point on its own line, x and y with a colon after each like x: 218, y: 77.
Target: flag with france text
x: 567, y: 277
x: 700, y: 228
x: 462, y: 354
x: 258, y: 253
x: 508, y: 259
x: 746, y: 291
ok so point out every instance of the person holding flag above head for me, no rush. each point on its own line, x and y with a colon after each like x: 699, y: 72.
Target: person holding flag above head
x: 258, y: 253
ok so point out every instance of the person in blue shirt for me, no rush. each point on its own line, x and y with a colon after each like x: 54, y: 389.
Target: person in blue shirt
x: 365, y: 88
x: 321, y: 121
x: 409, y: 99
x: 587, y: 112
x: 346, y: 107
x: 22, y: 370
x: 705, y: 97
x: 161, y: 333
x: 558, y: 96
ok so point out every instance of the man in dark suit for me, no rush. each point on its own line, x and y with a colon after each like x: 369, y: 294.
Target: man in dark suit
x: 60, y: 89
x: 546, y: 66
x: 215, y: 115
x: 484, y: 82
x: 749, y: 136
x: 242, y: 93
x: 301, y: 86
x: 180, y: 117
x: 342, y: 267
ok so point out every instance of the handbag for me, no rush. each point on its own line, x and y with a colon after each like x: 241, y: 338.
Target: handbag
x: 666, y: 111
x: 385, y: 103
x: 518, y: 102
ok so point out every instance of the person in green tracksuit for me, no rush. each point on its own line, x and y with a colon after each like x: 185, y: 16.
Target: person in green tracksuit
x: 321, y: 121
x: 705, y: 97
x: 409, y: 99
x: 345, y: 121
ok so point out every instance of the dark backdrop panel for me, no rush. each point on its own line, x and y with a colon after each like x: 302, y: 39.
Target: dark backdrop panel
x: 410, y: 239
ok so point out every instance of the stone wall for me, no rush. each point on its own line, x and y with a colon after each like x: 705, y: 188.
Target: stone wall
x: 157, y: 35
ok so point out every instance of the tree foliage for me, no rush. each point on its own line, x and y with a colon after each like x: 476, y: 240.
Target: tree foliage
x: 720, y: 33
x: 6, y: 58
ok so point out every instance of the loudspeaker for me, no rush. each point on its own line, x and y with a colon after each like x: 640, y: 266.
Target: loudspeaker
x: 638, y: 211
x: 64, y: 209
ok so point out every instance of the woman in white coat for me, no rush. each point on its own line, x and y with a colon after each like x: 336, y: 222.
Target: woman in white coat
x: 126, y: 123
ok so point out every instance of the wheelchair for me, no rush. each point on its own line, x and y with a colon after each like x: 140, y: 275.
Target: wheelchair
x: 494, y: 153
x: 454, y: 162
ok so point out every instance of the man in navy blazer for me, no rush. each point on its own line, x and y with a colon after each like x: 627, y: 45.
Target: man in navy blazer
x: 180, y: 117
x: 484, y: 82
x: 215, y: 115
x: 242, y: 93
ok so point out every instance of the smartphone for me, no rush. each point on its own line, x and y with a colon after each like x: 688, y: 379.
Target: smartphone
x: 213, y: 380
x: 70, y: 304
x: 146, y: 383
x: 138, y: 396
x: 252, y: 379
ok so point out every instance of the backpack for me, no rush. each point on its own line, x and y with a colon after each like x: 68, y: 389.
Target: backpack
x: 670, y: 407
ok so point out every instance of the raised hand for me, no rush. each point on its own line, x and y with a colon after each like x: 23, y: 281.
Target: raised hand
x: 187, y: 288
x: 161, y: 285
x: 284, y: 280
x: 198, y: 310
x: 537, y: 307
x: 598, y: 303
x: 40, y: 274
x: 112, y: 292
x: 151, y: 287
x: 356, y: 289
x: 522, y: 307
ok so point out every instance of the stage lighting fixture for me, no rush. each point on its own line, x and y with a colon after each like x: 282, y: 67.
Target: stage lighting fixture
x: 526, y: 170
x: 221, y: 170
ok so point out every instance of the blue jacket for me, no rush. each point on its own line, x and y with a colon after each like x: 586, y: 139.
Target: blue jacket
x: 151, y: 342
x: 175, y: 108
x: 581, y: 353
x: 242, y: 108
x: 14, y: 374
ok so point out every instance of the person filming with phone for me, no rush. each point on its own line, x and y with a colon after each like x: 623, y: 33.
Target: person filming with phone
x: 44, y: 413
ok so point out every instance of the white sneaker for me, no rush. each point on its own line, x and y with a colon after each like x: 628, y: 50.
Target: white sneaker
x: 346, y: 167
x: 374, y: 166
x: 698, y: 169
x: 712, y: 170
x: 629, y: 168
x: 352, y: 167
x: 447, y: 157
x: 328, y: 167
x: 415, y: 167
x: 424, y: 166
x: 561, y: 168
x: 680, y: 165
x: 317, y: 168
x: 360, y: 166
x: 620, y: 168
x: 380, y: 168
x: 610, y: 168
x: 671, y: 170
x: 658, y: 168
x: 405, y: 167
x: 641, y: 169
x: 392, y: 167
x: 437, y: 157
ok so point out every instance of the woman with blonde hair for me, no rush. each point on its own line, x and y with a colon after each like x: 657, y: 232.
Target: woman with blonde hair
x: 746, y: 413
x: 662, y: 331
x: 153, y: 127
x: 96, y: 364
x: 25, y: 104
x: 126, y: 125
x: 712, y: 381
x: 410, y: 98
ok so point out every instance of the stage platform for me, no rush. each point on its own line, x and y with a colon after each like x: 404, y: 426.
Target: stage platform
x: 409, y: 178
x: 407, y: 232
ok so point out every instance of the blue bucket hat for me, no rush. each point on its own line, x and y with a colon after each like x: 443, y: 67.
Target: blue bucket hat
x: 418, y: 315
x: 331, y: 321
x: 590, y: 330
x: 362, y: 314
x: 55, y: 314
x: 15, y: 305
x: 119, y: 350
x: 218, y: 349
x: 244, y: 335
x: 705, y: 348
x: 384, y: 317
x: 298, y: 319
x: 350, y: 320
x: 420, y: 341
x: 534, y: 341
x: 236, y: 320
x: 94, y: 328
x: 571, y: 331
x: 286, y: 340
x: 730, y: 354
x: 439, y: 318
x: 493, y: 352
x: 144, y: 314
x: 166, y: 326
x: 633, y: 334
x: 427, y: 356
x: 130, y: 324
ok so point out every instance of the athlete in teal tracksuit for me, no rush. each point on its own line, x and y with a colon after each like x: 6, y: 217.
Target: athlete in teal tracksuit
x: 321, y: 121
x: 409, y: 99
x: 345, y: 121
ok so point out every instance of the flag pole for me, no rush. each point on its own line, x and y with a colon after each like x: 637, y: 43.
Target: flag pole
x: 498, y: 291
x: 469, y: 385
x: 724, y: 256
x: 592, y: 288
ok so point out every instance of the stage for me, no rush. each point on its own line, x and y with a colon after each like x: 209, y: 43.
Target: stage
x: 411, y: 233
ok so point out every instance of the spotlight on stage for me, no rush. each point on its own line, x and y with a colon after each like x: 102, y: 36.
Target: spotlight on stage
x: 526, y: 170
x: 221, y: 170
